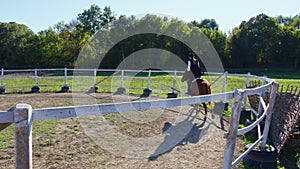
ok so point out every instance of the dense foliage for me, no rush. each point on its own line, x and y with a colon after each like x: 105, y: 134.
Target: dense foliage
x: 262, y: 41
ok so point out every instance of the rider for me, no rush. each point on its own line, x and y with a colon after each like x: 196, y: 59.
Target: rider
x: 194, y: 66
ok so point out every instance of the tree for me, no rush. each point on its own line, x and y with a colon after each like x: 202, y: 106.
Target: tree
x: 206, y: 23
x: 13, y: 40
x: 94, y: 19
x: 210, y: 28
x: 58, y: 46
x: 254, y: 42
x: 288, y: 47
x: 293, y: 22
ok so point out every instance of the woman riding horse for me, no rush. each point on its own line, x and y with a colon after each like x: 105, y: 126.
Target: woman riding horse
x: 198, y: 87
x: 193, y: 65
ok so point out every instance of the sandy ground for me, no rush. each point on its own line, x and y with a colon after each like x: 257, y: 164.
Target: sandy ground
x: 164, y: 138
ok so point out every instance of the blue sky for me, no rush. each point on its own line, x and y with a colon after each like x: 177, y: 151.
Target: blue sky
x: 40, y: 15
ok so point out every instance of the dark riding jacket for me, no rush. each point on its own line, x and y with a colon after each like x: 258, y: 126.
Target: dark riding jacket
x: 195, y: 68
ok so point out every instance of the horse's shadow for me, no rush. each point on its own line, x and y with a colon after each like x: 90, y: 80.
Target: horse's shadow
x: 180, y: 134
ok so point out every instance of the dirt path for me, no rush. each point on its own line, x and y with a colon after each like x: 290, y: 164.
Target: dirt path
x: 164, y: 138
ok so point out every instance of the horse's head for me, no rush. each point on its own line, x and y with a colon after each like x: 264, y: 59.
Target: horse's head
x: 187, y: 75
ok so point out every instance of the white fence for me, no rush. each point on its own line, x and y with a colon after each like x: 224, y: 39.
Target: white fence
x: 61, y: 77
x: 23, y: 115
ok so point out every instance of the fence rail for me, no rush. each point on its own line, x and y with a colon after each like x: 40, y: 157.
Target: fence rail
x: 23, y: 115
x: 40, y: 78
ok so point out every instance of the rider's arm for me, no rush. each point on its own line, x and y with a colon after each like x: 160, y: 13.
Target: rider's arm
x: 198, y: 65
x: 189, y: 66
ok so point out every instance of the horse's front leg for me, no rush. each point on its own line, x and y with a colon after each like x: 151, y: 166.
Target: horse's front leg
x: 196, y: 107
x: 205, y: 109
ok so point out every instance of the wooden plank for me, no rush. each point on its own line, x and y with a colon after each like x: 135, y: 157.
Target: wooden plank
x: 269, y: 115
x: 246, y: 152
x: 253, y: 125
x: 23, y: 136
x: 232, y: 129
x: 262, y: 102
x: 6, y: 117
x: 257, y: 90
x: 73, y: 111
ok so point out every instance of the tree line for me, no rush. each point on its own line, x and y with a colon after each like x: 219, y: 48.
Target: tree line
x: 262, y: 41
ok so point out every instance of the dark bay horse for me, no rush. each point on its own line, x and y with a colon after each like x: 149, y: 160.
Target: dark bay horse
x: 198, y: 87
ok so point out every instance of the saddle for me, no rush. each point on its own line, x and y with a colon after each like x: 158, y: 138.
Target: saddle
x: 199, y: 78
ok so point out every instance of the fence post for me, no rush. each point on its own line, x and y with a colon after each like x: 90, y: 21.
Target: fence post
x: 248, y: 79
x: 65, y: 77
x: 269, y: 115
x: 65, y: 87
x: 149, y: 80
x: 2, y: 87
x: 121, y: 89
x: 35, y: 77
x: 2, y: 77
x: 23, y: 136
x: 122, y: 78
x: 232, y: 129
x: 174, y: 81
x: 95, y: 77
x: 247, y: 84
x: 94, y: 88
x: 35, y: 88
x: 147, y: 91
x: 225, y: 82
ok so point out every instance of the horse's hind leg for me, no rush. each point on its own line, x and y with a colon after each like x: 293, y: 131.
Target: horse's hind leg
x: 211, y: 109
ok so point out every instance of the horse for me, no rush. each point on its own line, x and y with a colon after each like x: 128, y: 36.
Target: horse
x: 198, y: 87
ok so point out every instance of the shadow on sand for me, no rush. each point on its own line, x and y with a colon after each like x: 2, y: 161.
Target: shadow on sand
x: 188, y: 131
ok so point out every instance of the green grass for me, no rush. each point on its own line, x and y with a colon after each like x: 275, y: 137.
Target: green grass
x: 38, y: 128
x: 7, y: 137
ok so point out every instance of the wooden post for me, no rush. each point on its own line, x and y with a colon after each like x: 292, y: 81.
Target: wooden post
x: 247, y: 85
x: 232, y: 129
x: 65, y: 77
x: 65, y: 87
x: 122, y: 78
x: 2, y: 87
x: 121, y: 89
x: 23, y: 136
x: 2, y: 77
x: 174, y: 81
x: 269, y: 114
x: 149, y: 80
x: 35, y: 77
x: 225, y: 82
x: 95, y: 77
